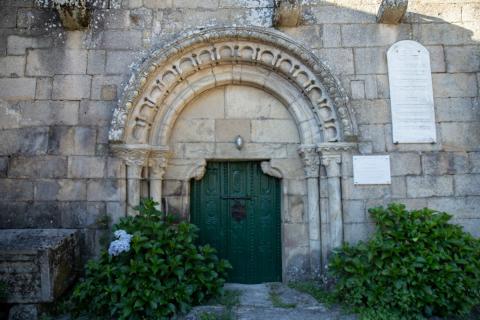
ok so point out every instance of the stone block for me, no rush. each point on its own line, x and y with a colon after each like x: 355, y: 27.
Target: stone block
x: 382, y: 86
x: 172, y: 188
x: 373, y: 35
x: 72, y: 141
x: 354, y: 211
x: 115, y: 168
x: 340, y: 60
x: 24, y: 141
x: 460, y: 136
x: 49, y: 62
x: 210, y: 105
x: 83, y: 214
x: 442, y: 34
x: 108, y: 92
x: 8, y: 15
x: 105, y: 190
x: 99, y: 82
x: 406, y: 147
x: 117, y: 19
x: 60, y: 190
x: 310, y: 34
x: 12, y: 66
x: 355, y: 232
x: 462, y: 58
x: 274, y: 131
x: 200, y: 150
x: 18, y: 45
x: 437, y: 58
x: 86, y: 167
x: 296, y: 187
x: 361, y: 192
x: 44, y: 113
x: 358, y: 89
x: 470, y: 12
x: 296, y: 209
x: 96, y: 113
x: 374, y: 134
x: 444, y: 163
x: 33, y: 18
x: 115, y: 39
x: 195, y: 130
x: 23, y: 311
x: 245, y: 3
x: 250, y: 150
x: 370, y: 60
x: 405, y: 164
x: 141, y: 18
x: 205, y: 4
x: 429, y: 186
x: 456, y: 109
x: 17, y: 88
x: 295, y: 235
x: 16, y: 190
x: 96, y: 62
x: 116, y: 211
x: 38, y: 167
x: 446, y: 85
x: 44, y: 89
x: 3, y: 166
x: 331, y: 36
x: 119, y: 62
x: 329, y: 13
x: 242, y: 102
x: 21, y: 214
x: 155, y: 4
x: 71, y: 87
x: 459, y: 207
x: 469, y: 225
x: 226, y: 130
x: 474, y: 161
x: 466, y: 185
x: 45, y: 260
x: 433, y: 11
x: 370, y: 112
x: 399, y: 187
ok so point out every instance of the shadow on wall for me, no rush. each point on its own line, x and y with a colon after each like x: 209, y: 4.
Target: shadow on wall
x: 58, y: 91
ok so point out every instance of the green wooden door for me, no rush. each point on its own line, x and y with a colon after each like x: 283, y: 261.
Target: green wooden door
x: 237, y: 208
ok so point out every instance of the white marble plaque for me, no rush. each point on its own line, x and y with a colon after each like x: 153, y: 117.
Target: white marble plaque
x: 411, y: 93
x: 371, y: 170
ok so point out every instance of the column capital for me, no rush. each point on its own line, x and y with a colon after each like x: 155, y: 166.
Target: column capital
x: 158, y: 160
x: 132, y: 154
x: 311, y: 160
x: 332, y: 162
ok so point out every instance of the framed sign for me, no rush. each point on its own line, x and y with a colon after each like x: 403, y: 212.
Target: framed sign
x: 411, y: 93
x: 371, y: 170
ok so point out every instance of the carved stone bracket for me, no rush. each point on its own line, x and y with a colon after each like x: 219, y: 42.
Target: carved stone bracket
x: 311, y: 160
x: 392, y: 11
x: 287, y: 13
x: 158, y: 160
x: 198, y: 170
x: 132, y: 154
x: 270, y: 171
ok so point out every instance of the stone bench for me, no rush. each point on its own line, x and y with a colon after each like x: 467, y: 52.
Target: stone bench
x: 37, y: 265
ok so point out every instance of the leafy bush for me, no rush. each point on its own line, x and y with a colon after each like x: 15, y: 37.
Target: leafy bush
x: 416, y: 265
x: 163, y: 273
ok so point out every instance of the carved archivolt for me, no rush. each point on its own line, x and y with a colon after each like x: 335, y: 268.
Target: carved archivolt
x: 214, y: 57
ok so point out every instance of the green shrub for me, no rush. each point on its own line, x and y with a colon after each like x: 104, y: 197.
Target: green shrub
x: 164, y: 273
x: 416, y: 265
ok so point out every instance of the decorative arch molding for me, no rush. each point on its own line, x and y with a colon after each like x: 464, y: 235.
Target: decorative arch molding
x: 267, y: 59
x: 148, y: 96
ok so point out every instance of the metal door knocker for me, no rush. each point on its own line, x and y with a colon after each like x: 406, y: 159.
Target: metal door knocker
x: 238, y: 211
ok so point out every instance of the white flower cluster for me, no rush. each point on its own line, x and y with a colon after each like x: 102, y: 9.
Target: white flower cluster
x: 122, y: 244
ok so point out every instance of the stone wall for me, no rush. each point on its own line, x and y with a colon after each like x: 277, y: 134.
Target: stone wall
x: 58, y: 90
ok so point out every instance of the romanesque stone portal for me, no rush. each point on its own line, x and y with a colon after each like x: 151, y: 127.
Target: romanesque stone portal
x: 191, y: 99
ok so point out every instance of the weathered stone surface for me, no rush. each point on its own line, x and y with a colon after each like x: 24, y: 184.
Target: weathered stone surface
x: 460, y: 136
x: 373, y: 35
x: 429, y: 186
x: 86, y: 167
x: 405, y: 164
x: 392, y: 11
x: 38, y: 167
x: 23, y: 311
x: 72, y: 140
x: 466, y: 185
x: 96, y: 62
x: 340, y: 60
x: 372, y: 111
x: 456, y: 109
x: 453, y: 85
x: 98, y: 82
x: 444, y: 163
x: 274, y: 131
x: 287, y: 13
x: 353, y: 192
x: 24, y: 141
x: 358, y: 89
x: 16, y: 190
x: 71, y: 87
x: 370, y: 60
x: 48, y: 258
x: 96, y: 113
x: 49, y: 62
x: 194, y: 131
x: 119, y: 62
x: 462, y: 58
x: 61, y: 190
x: 44, y: 88
x: 105, y: 190
x: 459, y: 207
x: 42, y: 113
x: 12, y: 66
x: 17, y: 88
x: 116, y: 39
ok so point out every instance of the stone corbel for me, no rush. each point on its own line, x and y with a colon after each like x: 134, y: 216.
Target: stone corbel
x: 198, y: 170
x: 392, y: 11
x: 287, y: 13
x: 74, y: 14
x: 271, y: 171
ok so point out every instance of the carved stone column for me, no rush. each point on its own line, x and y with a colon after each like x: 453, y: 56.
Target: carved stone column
x: 311, y: 162
x: 135, y: 157
x: 157, y: 162
x: 331, y: 159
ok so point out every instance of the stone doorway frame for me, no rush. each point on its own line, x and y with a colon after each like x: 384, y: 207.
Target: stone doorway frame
x: 173, y: 76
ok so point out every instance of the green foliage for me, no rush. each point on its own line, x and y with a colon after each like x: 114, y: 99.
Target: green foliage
x: 416, y: 265
x: 162, y: 275
x: 3, y: 290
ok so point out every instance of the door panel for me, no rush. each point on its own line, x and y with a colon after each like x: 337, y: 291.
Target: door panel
x: 237, y: 209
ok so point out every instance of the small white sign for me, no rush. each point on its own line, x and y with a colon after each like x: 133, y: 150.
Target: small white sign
x: 411, y: 93
x: 371, y: 170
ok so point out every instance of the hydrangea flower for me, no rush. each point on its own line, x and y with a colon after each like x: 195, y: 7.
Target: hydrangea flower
x: 122, y: 244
